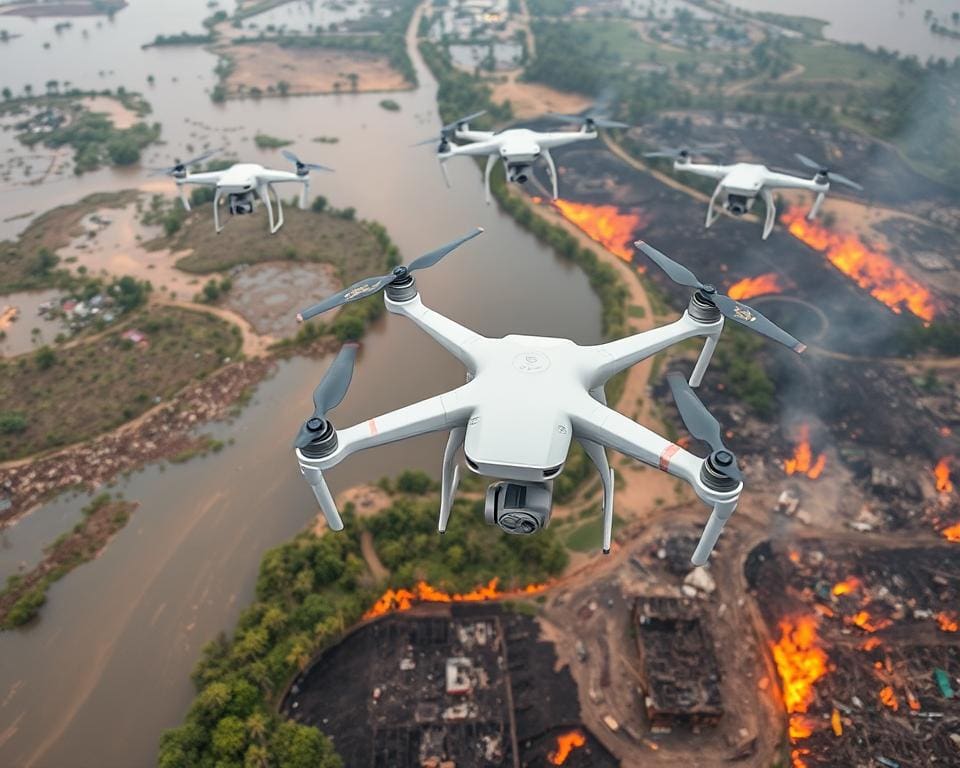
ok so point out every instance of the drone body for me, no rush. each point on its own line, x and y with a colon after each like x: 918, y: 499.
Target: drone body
x: 243, y: 186
x: 526, y: 399
x: 739, y: 185
x: 517, y: 148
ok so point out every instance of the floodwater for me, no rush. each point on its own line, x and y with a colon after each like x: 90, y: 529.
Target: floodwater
x: 20, y: 320
x: 106, y: 668
x: 897, y: 25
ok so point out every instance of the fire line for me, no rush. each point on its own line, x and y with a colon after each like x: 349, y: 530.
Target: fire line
x: 400, y: 600
x: 872, y: 270
x: 607, y: 225
x: 749, y: 287
x: 566, y: 743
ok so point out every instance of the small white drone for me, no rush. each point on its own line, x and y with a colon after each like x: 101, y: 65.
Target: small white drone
x: 518, y: 148
x: 243, y: 184
x: 526, y: 398
x: 741, y: 183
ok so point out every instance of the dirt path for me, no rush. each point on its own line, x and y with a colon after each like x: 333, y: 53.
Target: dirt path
x: 372, y: 559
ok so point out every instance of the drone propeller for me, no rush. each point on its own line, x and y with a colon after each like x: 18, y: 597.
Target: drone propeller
x: 180, y: 169
x: 328, y: 395
x: 823, y: 170
x: 733, y: 310
x: 703, y: 426
x: 595, y: 117
x: 449, y: 129
x: 371, y: 285
x: 304, y: 168
x: 684, y: 152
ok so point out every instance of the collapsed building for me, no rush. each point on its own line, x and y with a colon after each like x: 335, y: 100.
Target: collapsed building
x: 679, y: 670
x: 445, y: 686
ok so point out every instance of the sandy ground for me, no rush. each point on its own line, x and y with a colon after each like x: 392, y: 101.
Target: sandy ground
x: 309, y: 71
x: 121, y: 117
x: 269, y: 295
x: 533, y: 99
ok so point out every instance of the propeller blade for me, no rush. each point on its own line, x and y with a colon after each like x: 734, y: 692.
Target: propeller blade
x: 604, y: 123
x: 676, y: 272
x: 333, y: 387
x: 701, y: 423
x: 729, y: 308
x: 371, y: 285
x: 355, y: 292
x: 568, y: 118
x: 300, y: 164
x: 845, y: 180
x: 329, y: 394
x: 184, y: 165
x: 290, y: 156
x: 429, y: 259
x: 808, y: 162
x: 431, y: 140
x: 755, y: 321
x: 462, y: 120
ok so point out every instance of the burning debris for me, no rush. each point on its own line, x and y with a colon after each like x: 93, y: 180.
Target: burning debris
x: 870, y: 269
x: 868, y: 652
x: 942, y: 473
x: 802, y: 462
x: 400, y: 600
x: 750, y: 287
x: 566, y: 743
x: 608, y: 225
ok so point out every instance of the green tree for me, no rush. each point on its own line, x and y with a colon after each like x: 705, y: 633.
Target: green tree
x: 12, y: 423
x: 46, y: 358
x: 300, y: 746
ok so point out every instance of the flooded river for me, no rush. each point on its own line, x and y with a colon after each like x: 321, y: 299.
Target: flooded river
x: 106, y: 668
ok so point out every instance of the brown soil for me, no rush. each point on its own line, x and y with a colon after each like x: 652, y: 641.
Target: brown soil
x: 308, y: 71
x: 528, y: 100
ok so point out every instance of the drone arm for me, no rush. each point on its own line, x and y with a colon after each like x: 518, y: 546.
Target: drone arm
x: 703, y: 169
x: 553, y: 171
x: 278, y: 177
x: 771, y: 216
x: 562, y: 138
x: 611, y: 358
x: 207, y: 179
x: 467, y: 135
x: 777, y: 180
x: 479, y: 149
x: 612, y: 429
x: 452, y: 336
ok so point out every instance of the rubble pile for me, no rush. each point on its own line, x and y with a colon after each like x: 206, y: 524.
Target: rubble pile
x: 882, y: 626
x: 161, y: 433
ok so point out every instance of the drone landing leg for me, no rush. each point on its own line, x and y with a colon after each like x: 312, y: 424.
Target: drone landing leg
x: 304, y: 193
x: 816, y: 207
x: 599, y: 457
x: 446, y: 176
x: 491, y: 159
x: 771, y: 207
x: 216, y: 211
x: 183, y: 198
x: 276, y: 196
x: 706, y: 355
x: 324, y: 498
x: 553, y: 171
x: 712, y: 214
x: 450, y: 477
x: 711, y: 532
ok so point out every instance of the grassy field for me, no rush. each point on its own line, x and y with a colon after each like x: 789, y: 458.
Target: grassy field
x: 354, y: 247
x: 26, y: 263
x: 835, y: 63
x: 588, y: 537
x: 50, y: 398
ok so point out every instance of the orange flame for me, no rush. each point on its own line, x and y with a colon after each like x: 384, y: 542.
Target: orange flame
x: 801, y: 727
x: 952, y: 533
x: 836, y: 723
x: 755, y: 286
x: 889, y: 698
x: 868, y: 624
x: 399, y: 600
x: 947, y: 621
x: 566, y: 743
x: 845, y: 587
x: 800, y: 661
x: 803, y: 461
x: 942, y: 473
x: 871, y: 270
x: 614, y: 229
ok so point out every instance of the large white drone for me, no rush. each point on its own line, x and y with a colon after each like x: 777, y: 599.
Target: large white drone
x: 741, y: 183
x: 518, y: 148
x: 526, y: 398
x: 243, y: 184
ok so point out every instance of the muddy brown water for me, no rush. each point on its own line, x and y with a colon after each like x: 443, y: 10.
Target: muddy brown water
x: 106, y: 668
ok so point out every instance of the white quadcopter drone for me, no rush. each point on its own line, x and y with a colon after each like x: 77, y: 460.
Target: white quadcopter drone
x: 243, y: 184
x: 526, y: 398
x: 518, y: 148
x: 741, y: 183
